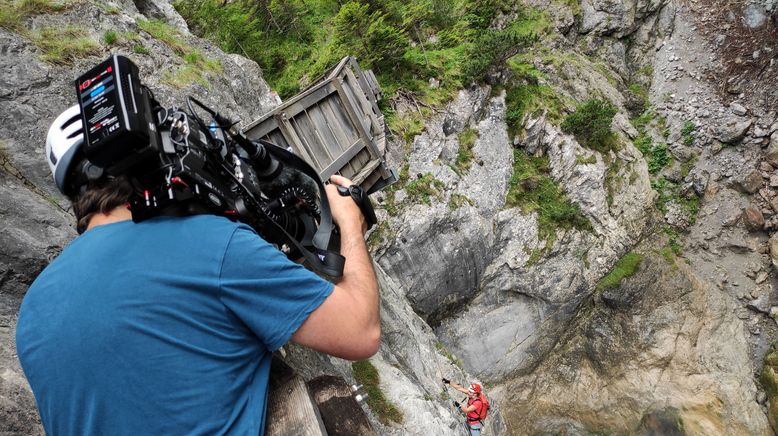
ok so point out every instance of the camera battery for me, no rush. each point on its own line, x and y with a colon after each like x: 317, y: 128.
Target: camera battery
x: 116, y: 114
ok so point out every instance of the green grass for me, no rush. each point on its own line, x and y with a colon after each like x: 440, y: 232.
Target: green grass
x: 110, y: 37
x: 672, y: 192
x: 382, y: 233
x: 532, y: 189
x: 14, y: 13
x: 458, y: 200
x: 582, y: 160
x: 424, y: 188
x: 626, y: 266
x: 526, y: 95
x: 166, y: 33
x: 62, y: 46
x: 465, y: 155
x: 367, y: 375
x: 140, y: 49
x: 196, y: 68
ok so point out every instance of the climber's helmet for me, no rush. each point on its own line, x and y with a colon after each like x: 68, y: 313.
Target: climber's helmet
x: 65, y: 155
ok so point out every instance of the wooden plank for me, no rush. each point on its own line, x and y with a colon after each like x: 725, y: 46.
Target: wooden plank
x: 277, y: 138
x: 307, y: 133
x: 362, y: 175
x: 349, y: 106
x: 343, y: 159
x: 341, y: 413
x: 344, y: 133
x: 297, y: 145
x: 293, y: 109
x: 367, y: 108
x: 290, y: 408
x: 322, y: 133
x: 260, y: 130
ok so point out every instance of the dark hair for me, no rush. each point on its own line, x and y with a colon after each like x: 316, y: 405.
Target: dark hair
x: 101, y: 196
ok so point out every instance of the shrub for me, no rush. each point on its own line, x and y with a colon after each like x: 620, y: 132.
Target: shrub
x: 591, y: 125
x: 370, y: 37
x: 532, y: 189
x: 492, y: 47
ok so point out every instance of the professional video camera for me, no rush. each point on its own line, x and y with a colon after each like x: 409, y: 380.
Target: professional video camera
x: 180, y: 164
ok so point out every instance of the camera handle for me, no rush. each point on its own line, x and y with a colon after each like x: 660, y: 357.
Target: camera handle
x: 362, y: 200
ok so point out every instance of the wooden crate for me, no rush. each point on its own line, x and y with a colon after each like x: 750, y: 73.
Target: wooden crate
x: 334, y: 125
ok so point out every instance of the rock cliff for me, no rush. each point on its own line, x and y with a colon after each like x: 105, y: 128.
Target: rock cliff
x: 471, y: 285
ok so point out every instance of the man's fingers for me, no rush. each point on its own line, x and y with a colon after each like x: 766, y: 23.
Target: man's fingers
x: 340, y: 180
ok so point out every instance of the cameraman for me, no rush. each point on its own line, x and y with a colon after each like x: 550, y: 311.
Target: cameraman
x: 167, y: 326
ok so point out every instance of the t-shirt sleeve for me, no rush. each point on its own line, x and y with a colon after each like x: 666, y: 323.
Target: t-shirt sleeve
x: 272, y: 295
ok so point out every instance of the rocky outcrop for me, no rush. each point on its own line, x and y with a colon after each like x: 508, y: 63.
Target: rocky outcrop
x: 650, y: 348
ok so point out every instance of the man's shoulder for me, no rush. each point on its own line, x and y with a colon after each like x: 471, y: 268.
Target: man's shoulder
x: 203, y: 225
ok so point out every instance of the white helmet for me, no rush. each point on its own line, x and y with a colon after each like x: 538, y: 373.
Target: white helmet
x: 64, y: 139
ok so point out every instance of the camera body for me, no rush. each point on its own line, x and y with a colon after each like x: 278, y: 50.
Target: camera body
x: 180, y: 164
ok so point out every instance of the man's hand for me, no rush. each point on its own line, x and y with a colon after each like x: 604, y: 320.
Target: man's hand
x: 456, y: 404
x: 348, y: 323
x: 446, y: 381
x: 344, y: 210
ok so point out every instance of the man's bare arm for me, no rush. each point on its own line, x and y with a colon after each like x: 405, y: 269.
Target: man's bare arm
x: 347, y: 324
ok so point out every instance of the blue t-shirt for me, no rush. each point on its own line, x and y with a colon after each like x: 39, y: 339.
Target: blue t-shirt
x: 161, y: 327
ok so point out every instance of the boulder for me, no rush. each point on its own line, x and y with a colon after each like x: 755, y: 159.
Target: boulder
x: 733, y: 131
x: 753, y: 219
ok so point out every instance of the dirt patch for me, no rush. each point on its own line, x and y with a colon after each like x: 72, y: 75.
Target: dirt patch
x: 744, y: 38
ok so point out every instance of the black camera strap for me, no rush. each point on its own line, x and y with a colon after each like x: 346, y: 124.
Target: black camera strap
x: 321, y: 259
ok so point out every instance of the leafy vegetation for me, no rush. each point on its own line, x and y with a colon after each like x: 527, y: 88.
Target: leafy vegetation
x: 528, y: 95
x: 670, y: 192
x: 424, y: 188
x: 64, y: 45
x: 626, y: 266
x: 533, y: 190
x: 769, y: 380
x: 367, y: 375
x: 13, y: 13
x: 688, y: 133
x: 465, y: 152
x: 591, y: 125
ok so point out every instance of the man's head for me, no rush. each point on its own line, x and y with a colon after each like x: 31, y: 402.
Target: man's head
x: 86, y: 186
x: 474, y: 391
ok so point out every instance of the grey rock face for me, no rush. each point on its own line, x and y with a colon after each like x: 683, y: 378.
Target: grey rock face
x: 632, y: 326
